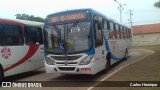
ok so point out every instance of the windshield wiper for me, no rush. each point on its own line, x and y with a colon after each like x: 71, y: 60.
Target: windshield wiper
x: 56, y: 29
x: 73, y: 25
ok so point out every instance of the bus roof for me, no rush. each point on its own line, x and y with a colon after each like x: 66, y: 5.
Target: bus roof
x: 21, y: 22
x: 92, y: 12
x: 87, y: 9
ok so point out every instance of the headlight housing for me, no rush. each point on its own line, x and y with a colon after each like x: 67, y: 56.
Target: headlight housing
x: 50, y: 61
x: 86, y: 60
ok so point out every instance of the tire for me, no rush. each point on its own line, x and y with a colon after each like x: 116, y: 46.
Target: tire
x: 1, y: 73
x: 108, y: 64
x: 126, y: 55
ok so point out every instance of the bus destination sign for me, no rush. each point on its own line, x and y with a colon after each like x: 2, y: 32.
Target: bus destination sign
x: 67, y: 17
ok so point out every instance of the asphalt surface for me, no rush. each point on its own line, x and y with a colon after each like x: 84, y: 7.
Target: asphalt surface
x: 40, y: 75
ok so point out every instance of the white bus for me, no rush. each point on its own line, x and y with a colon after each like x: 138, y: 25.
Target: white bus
x: 83, y: 41
x: 21, y: 46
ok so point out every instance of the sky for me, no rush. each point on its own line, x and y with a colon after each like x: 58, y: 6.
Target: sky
x: 143, y: 10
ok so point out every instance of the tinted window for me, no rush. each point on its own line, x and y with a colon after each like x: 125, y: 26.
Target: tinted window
x: 117, y: 28
x: 11, y: 35
x: 98, y: 31
x: 33, y: 35
x: 112, y: 30
x: 127, y: 31
x: 106, y: 29
x: 123, y: 31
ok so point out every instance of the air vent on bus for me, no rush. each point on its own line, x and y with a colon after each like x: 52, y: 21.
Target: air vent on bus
x: 66, y: 57
x: 66, y: 68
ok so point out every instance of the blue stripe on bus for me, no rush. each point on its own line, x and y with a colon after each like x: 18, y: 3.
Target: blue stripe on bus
x: 108, y: 49
x: 91, y: 52
x: 45, y: 54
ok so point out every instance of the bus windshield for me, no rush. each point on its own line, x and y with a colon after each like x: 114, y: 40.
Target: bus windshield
x: 68, y: 38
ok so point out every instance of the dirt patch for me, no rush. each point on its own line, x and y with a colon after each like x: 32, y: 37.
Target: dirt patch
x: 147, y: 69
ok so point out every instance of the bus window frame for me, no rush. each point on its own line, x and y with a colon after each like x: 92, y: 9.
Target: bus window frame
x: 105, y: 22
x: 20, y: 36
x: 117, y: 30
x: 113, y: 30
x: 96, y: 21
x: 27, y: 35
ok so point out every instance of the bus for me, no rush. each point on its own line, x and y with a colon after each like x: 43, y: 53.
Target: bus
x: 83, y: 41
x: 21, y: 46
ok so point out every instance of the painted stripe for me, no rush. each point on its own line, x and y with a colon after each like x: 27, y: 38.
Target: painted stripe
x: 108, y: 49
x: 32, y: 50
x: 91, y: 52
x: 11, y: 22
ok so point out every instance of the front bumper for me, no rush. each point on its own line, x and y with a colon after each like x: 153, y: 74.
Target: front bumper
x: 78, y: 69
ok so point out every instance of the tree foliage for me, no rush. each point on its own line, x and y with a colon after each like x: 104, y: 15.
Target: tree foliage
x: 157, y: 4
x: 29, y: 17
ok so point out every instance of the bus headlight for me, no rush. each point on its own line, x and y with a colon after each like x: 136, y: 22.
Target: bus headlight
x: 49, y: 61
x: 86, y: 60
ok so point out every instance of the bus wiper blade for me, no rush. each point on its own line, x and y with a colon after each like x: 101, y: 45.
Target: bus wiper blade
x: 73, y: 25
x: 56, y: 29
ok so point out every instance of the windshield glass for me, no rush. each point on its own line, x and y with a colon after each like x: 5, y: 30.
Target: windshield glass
x: 68, y: 38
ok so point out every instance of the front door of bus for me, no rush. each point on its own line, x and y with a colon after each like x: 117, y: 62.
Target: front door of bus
x: 34, y: 44
x: 99, y: 47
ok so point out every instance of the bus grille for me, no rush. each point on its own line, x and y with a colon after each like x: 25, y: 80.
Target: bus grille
x: 66, y: 57
x: 66, y: 68
x: 67, y: 63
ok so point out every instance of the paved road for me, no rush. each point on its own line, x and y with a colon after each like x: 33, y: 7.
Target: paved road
x: 40, y: 75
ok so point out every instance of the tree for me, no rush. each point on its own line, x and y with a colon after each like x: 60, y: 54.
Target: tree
x: 157, y: 4
x: 29, y: 17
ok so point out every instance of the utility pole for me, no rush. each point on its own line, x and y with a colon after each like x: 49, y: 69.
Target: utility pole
x: 120, y: 8
x: 130, y: 21
x: 131, y: 14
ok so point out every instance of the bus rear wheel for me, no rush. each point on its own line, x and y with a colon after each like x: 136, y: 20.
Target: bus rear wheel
x: 126, y: 55
x: 1, y: 73
x: 108, y: 64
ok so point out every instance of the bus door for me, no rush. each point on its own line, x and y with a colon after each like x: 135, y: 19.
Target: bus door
x: 34, y: 45
x: 99, y: 46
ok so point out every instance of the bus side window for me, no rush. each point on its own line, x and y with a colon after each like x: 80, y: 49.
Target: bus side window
x: 106, y: 28
x: 120, y: 34
x: 123, y: 31
x: 11, y: 35
x: 117, y: 31
x: 130, y: 34
x: 112, y: 31
x: 33, y: 35
x: 40, y: 36
x: 125, y: 34
x: 98, y: 33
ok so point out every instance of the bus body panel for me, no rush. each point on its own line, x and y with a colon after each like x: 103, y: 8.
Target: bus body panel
x: 23, y: 59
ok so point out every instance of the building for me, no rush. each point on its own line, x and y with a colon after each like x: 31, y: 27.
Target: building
x: 145, y: 35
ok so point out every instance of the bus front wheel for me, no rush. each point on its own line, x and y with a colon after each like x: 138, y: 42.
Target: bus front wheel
x: 107, y: 65
x: 1, y: 73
